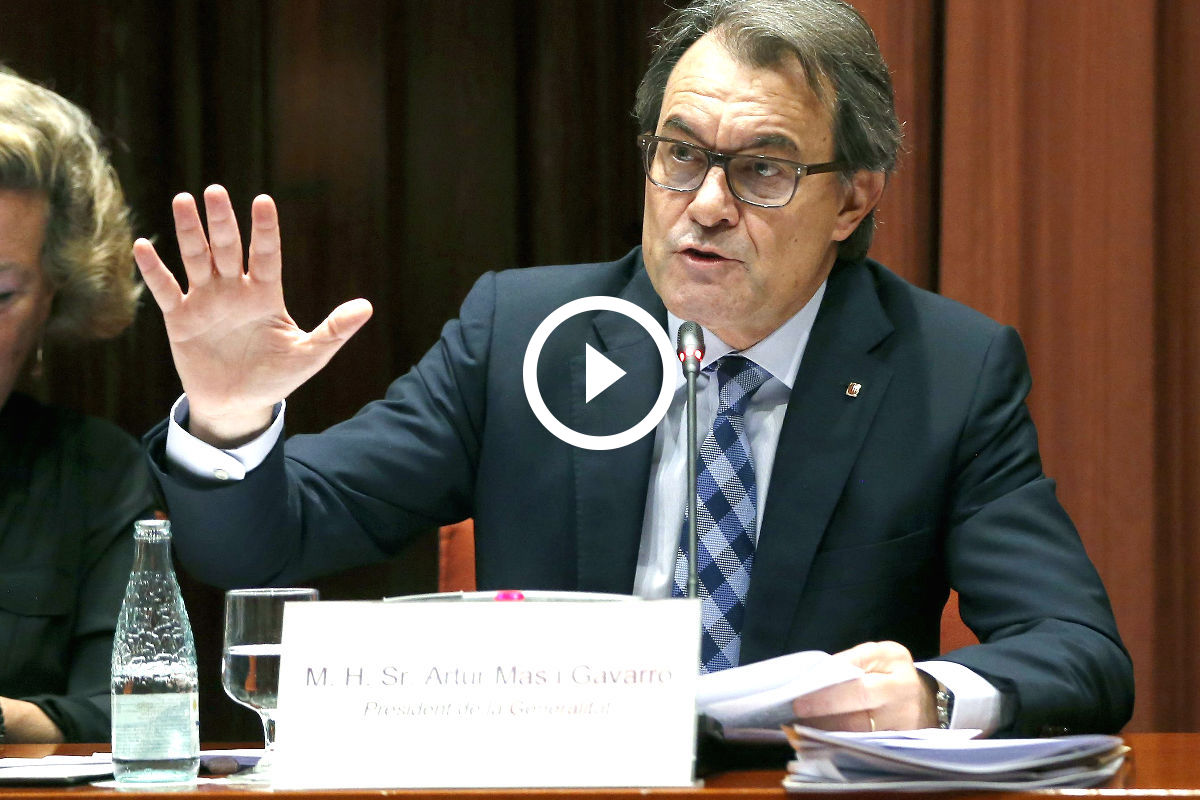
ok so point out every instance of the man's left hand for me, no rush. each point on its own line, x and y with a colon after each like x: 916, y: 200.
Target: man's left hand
x: 892, y: 695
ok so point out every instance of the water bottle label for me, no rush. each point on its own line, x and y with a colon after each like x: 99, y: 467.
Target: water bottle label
x: 155, y: 726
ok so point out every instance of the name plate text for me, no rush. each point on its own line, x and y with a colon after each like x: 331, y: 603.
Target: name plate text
x: 487, y: 694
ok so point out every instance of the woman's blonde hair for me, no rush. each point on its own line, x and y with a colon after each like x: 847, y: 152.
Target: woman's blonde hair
x: 50, y: 146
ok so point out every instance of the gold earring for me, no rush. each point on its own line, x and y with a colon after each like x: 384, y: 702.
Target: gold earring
x: 38, y: 367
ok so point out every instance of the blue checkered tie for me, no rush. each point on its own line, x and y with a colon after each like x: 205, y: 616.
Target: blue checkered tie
x: 726, y: 517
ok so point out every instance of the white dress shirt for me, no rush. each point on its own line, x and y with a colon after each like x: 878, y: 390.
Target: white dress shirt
x: 976, y: 701
x: 779, y: 354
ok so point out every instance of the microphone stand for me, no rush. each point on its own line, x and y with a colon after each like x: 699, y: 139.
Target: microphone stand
x: 693, y: 580
x: 690, y: 346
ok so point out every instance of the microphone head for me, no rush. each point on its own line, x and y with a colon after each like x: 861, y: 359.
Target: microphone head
x: 689, y: 345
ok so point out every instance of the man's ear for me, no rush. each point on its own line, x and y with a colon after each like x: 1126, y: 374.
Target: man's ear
x: 862, y: 195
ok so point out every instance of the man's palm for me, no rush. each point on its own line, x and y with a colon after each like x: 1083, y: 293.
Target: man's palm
x: 237, y: 350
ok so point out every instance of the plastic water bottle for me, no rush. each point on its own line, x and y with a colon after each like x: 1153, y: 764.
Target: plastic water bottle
x: 155, y: 703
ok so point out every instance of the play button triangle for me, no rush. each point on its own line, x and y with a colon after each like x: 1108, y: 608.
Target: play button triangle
x: 599, y: 373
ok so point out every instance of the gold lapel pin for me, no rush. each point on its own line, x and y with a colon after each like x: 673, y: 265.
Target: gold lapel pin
x: 852, y: 389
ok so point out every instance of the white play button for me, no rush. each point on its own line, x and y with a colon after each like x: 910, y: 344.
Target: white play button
x: 599, y: 373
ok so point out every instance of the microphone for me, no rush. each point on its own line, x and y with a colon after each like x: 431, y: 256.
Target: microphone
x: 689, y: 344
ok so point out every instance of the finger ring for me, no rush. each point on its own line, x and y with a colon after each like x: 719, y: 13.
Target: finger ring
x: 871, y: 720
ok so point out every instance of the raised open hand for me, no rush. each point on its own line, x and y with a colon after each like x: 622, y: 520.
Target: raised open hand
x: 236, y: 348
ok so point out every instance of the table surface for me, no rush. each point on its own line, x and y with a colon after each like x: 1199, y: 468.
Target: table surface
x: 1159, y: 765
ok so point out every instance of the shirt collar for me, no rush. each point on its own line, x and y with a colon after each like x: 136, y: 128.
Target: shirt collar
x: 779, y: 353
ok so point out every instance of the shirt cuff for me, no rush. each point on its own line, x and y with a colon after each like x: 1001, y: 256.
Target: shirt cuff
x: 976, y: 701
x: 197, y: 459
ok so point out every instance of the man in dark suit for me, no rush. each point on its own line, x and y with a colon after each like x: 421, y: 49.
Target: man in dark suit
x: 883, y: 448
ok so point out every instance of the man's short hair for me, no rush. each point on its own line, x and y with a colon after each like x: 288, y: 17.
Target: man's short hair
x: 837, y: 50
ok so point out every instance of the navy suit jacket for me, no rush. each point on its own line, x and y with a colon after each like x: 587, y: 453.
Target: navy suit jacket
x: 929, y: 478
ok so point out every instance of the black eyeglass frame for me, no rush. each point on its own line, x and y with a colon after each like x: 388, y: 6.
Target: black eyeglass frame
x: 800, y: 169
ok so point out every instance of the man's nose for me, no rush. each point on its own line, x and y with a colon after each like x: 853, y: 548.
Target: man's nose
x: 713, y: 203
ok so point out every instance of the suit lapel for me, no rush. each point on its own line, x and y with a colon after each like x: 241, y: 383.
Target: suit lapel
x: 610, y: 485
x: 822, y: 433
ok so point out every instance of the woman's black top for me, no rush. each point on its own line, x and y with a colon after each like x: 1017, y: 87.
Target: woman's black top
x: 71, y: 488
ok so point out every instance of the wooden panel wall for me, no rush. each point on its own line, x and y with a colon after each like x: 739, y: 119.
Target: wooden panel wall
x: 1053, y: 220
x: 1175, y: 617
x: 908, y: 216
x: 1049, y: 176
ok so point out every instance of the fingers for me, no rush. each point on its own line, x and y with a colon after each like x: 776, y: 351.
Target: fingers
x: 193, y: 244
x: 889, y: 695
x: 218, y: 253
x: 878, y: 656
x: 849, y: 697
x: 266, y: 261
x: 159, y: 280
x: 342, y: 323
x: 224, y: 240
x: 863, y: 721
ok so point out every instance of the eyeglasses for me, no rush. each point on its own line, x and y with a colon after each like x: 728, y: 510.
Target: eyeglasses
x: 758, y: 180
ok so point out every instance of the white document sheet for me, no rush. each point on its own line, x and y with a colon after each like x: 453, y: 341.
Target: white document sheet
x: 759, y: 696
x: 55, y: 769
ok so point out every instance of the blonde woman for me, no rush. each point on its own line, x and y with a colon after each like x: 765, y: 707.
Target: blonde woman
x: 70, y: 486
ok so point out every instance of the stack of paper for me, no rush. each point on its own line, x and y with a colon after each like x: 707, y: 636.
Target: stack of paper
x: 55, y: 769
x: 936, y: 759
x: 50, y: 770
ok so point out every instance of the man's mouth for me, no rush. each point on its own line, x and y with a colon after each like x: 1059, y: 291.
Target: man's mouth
x: 704, y: 256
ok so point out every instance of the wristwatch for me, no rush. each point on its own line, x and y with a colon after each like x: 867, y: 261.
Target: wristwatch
x: 944, y: 698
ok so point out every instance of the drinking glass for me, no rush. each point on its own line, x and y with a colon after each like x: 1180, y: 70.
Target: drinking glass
x: 250, y: 657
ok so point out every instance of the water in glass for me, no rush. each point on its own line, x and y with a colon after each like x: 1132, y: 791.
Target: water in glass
x: 250, y: 658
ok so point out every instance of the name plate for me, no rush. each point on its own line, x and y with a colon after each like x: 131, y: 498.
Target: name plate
x: 487, y: 694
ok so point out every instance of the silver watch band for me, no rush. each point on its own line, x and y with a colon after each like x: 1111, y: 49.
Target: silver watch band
x: 944, y: 699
